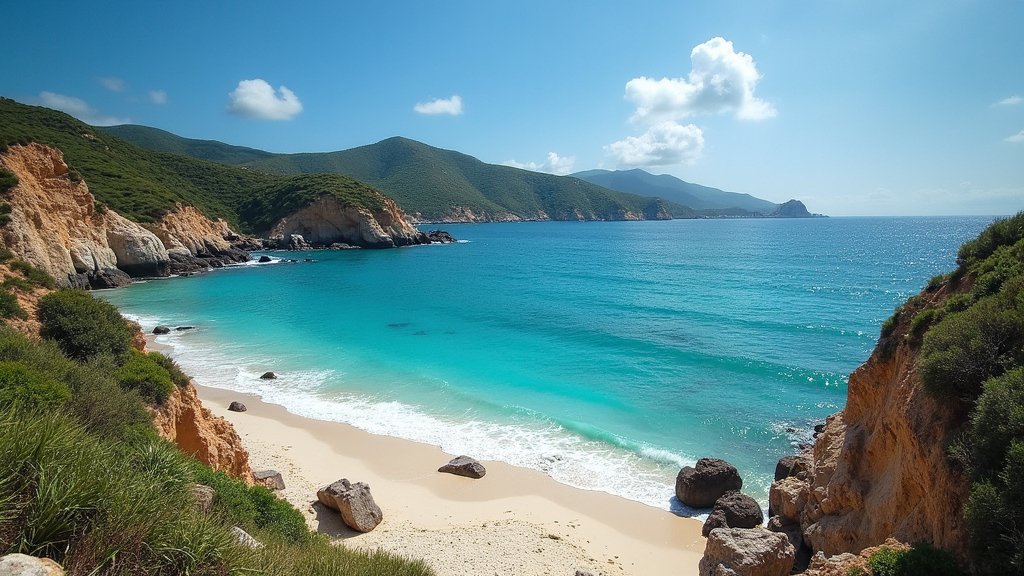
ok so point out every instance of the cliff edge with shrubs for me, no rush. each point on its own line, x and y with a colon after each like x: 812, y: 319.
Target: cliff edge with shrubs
x: 930, y: 446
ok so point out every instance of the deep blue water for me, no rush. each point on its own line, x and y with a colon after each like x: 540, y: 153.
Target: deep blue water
x: 606, y: 353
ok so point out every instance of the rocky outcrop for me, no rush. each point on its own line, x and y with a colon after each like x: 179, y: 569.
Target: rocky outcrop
x: 464, y: 466
x: 353, y: 502
x: 196, y: 431
x: 734, y: 510
x: 746, y: 552
x: 57, y: 226
x: 702, y: 485
x: 22, y: 565
x: 879, y: 468
x: 329, y: 221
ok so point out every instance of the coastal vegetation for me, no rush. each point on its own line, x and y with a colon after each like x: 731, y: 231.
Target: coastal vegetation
x: 85, y: 480
x: 972, y: 360
x: 143, y: 185
x: 429, y: 181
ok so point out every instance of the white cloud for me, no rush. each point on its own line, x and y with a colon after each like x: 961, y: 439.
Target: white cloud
x: 158, y: 97
x: 257, y: 99
x: 79, y: 109
x: 113, y: 84
x: 555, y: 164
x: 720, y: 80
x: 1016, y: 138
x: 1011, y: 101
x: 661, y: 145
x: 451, y: 106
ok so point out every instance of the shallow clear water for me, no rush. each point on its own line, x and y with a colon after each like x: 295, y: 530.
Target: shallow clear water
x: 607, y: 354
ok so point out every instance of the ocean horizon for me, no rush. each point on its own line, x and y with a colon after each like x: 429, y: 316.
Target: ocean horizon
x: 605, y: 354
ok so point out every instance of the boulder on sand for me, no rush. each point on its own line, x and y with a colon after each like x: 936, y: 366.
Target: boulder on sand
x: 237, y: 406
x: 734, y: 510
x: 747, y: 552
x: 464, y: 466
x: 353, y: 502
x: 268, y: 376
x: 703, y: 485
x: 269, y: 478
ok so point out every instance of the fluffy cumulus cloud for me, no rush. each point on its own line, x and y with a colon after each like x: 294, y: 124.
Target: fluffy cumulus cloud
x: 555, y: 164
x: 663, y: 144
x: 1016, y: 138
x: 158, y: 97
x: 1011, y: 101
x: 79, y: 109
x: 257, y: 99
x: 450, y: 106
x: 721, y: 80
x: 113, y: 84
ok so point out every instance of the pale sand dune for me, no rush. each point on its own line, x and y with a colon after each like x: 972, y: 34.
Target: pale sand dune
x: 514, y: 521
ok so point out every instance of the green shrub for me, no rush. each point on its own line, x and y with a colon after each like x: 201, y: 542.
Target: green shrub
x: 84, y: 327
x: 5, y: 255
x: 253, y: 507
x: 177, y: 375
x: 966, y: 348
x: 23, y: 387
x: 1004, y: 232
x: 37, y: 276
x: 924, y: 319
x: 5, y: 213
x: 920, y: 560
x: 144, y: 374
x: 9, y: 306
x: 7, y: 180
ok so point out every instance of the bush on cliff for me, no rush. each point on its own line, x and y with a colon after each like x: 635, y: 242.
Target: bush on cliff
x: 920, y: 560
x: 84, y: 327
x: 143, y: 373
x: 972, y: 358
x: 25, y: 388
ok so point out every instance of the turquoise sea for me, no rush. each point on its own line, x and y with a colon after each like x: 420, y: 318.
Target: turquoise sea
x: 607, y: 354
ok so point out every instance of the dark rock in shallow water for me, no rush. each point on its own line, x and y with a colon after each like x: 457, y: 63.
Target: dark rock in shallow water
x: 161, y: 330
x: 181, y: 328
x: 269, y: 478
x: 734, y: 510
x: 268, y: 376
x: 237, y: 406
x: 464, y: 466
x: 701, y: 486
x: 440, y: 237
x: 108, y: 278
x: 265, y: 259
x: 353, y: 502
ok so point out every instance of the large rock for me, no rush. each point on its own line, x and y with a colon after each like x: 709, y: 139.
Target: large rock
x: 138, y: 251
x: 271, y: 479
x: 746, y: 552
x: 787, y: 498
x: 795, y: 465
x: 353, y: 502
x: 328, y: 221
x: 22, y: 565
x: 734, y: 510
x: 464, y: 466
x: 702, y: 485
x: 203, y: 496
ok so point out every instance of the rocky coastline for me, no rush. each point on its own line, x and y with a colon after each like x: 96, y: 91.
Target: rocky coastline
x: 56, y: 224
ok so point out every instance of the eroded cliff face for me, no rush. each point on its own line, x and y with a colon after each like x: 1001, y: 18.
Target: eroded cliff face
x: 880, y: 468
x: 56, y: 226
x: 327, y: 221
x: 197, y: 432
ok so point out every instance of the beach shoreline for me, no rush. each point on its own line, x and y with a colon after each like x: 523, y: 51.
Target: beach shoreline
x: 514, y: 520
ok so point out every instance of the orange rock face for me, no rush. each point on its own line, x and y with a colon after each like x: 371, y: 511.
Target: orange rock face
x: 880, y: 468
x: 196, y: 431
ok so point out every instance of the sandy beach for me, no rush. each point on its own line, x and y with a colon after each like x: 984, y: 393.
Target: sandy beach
x: 512, y: 521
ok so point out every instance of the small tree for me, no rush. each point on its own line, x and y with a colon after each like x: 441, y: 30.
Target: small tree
x: 83, y: 326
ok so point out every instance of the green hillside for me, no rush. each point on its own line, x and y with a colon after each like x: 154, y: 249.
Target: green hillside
x: 431, y: 182
x: 163, y: 141
x: 143, y: 185
x: 670, y: 188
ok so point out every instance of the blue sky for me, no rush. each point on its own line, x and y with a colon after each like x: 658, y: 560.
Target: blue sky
x: 856, y: 107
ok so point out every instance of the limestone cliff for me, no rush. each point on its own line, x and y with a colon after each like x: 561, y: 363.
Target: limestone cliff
x: 880, y: 469
x: 327, y: 221
x: 56, y: 225
x: 197, y: 432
